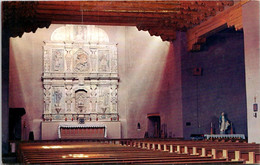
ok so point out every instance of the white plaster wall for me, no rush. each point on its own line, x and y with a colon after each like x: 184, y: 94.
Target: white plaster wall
x: 153, y: 82
x: 251, y: 12
x: 25, y: 75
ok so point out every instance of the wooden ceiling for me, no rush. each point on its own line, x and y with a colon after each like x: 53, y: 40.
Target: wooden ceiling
x: 160, y: 18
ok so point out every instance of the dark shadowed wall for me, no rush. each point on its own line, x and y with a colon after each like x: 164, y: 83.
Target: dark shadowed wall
x: 219, y: 88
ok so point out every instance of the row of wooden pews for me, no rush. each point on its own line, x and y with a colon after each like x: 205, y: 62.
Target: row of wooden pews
x: 127, y: 151
x: 231, y: 151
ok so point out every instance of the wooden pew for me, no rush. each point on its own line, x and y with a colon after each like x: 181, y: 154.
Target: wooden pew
x: 250, y: 152
x: 105, y: 153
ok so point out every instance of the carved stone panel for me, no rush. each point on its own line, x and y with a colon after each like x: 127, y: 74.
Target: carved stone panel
x: 103, y: 61
x: 58, y: 60
x: 104, y: 99
x: 57, y: 99
x: 81, y: 61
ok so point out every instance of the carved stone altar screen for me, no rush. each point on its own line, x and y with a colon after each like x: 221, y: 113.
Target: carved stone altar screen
x: 80, y: 76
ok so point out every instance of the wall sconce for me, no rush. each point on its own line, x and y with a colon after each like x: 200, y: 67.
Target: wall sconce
x: 255, y: 108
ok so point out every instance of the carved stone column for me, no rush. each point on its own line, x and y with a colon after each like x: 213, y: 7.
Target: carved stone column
x: 47, y: 99
x: 46, y: 61
x: 114, y: 98
x: 69, y: 59
x: 68, y: 97
x: 93, y: 98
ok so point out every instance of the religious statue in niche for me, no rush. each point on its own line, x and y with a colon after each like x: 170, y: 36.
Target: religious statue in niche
x: 47, y: 98
x: 81, y: 61
x: 223, y: 123
x: 57, y: 95
x: 68, y: 58
x: 69, y: 97
x: 103, y: 60
x: 57, y: 55
x: 81, y: 100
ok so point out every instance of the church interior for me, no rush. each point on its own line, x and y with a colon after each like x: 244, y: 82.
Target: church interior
x: 132, y: 82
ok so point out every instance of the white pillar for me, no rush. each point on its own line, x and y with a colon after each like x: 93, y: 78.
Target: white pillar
x: 251, y: 29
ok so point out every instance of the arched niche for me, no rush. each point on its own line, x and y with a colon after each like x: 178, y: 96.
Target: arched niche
x: 81, y: 100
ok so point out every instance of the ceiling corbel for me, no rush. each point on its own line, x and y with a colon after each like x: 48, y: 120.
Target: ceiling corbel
x: 231, y: 17
x: 20, y: 17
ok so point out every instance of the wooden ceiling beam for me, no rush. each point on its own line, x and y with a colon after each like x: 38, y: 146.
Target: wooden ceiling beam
x: 114, y: 4
x: 228, y: 18
x: 77, y: 10
x: 161, y: 18
x: 150, y: 21
x: 102, y: 13
x: 165, y: 19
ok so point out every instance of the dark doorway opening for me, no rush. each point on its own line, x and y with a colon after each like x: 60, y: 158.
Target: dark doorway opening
x: 154, y: 125
x: 15, y: 115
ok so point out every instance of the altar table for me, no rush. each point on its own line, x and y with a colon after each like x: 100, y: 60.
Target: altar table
x: 82, y: 131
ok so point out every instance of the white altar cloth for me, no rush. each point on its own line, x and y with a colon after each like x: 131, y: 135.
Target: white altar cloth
x: 241, y: 136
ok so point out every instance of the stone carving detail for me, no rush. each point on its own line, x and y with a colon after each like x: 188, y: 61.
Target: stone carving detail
x: 103, y: 60
x: 114, y: 66
x: 114, y: 98
x: 68, y: 58
x: 57, y: 58
x: 46, y: 60
x: 114, y: 60
x: 93, y: 99
x: 94, y: 57
x: 47, y: 98
x: 72, y: 58
x: 81, y: 101
x: 104, y: 100
x: 68, y: 97
x: 57, y: 96
x: 81, y: 61
x: 80, y: 78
